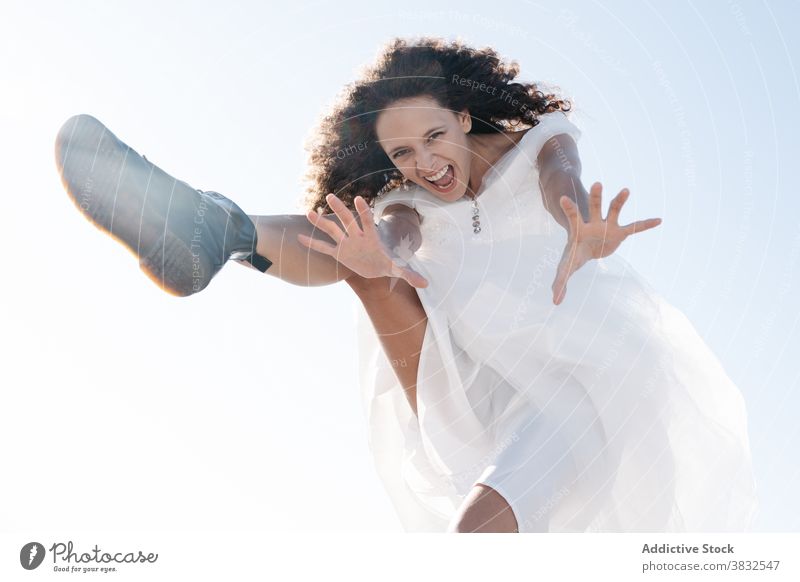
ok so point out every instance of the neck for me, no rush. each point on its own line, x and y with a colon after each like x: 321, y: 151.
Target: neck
x: 486, y: 150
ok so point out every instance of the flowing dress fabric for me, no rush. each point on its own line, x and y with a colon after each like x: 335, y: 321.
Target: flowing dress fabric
x: 605, y: 413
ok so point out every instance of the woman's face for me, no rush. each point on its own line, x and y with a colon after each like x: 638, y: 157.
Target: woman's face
x: 426, y: 141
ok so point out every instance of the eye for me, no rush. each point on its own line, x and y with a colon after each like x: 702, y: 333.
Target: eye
x: 399, y: 153
x: 435, y: 134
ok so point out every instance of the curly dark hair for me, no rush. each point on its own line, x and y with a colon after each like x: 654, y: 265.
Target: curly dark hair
x: 345, y: 157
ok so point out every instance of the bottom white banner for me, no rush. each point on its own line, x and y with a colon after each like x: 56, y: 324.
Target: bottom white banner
x: 248, y: 555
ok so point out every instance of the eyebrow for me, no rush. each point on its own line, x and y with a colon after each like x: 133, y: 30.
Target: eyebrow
x: 426, y: 134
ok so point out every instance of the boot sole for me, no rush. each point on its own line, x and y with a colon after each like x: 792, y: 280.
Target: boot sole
x: 107, y: 179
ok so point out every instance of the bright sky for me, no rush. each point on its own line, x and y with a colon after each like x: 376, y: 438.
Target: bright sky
x: 238, y: 408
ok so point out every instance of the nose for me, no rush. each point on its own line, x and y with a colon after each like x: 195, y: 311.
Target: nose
x: 424, y: 161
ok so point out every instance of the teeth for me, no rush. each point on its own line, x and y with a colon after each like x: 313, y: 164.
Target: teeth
x: 438, y: 176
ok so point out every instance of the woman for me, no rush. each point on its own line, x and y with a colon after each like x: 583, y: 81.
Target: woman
x: 107, y: 179
x: 605, y: 411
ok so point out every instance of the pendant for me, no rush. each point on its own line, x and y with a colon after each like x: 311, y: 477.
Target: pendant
x: 476, y: 217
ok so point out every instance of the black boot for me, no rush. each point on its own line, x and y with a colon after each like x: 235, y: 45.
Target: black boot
x: 181, y: 236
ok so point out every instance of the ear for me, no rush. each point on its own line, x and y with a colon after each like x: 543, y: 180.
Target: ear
x: 465, y: 120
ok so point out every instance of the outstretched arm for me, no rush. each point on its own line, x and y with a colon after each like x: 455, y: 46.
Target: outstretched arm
x: 365, y: 248
x: 399, y: 321
x: 589, y: 235
x: 560, y: 175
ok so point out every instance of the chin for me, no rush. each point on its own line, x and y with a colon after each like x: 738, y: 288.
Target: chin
x: 455, y: 195
x: 451, y: 196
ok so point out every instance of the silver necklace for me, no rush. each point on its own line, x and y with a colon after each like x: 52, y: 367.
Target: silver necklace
x: 476, y: 216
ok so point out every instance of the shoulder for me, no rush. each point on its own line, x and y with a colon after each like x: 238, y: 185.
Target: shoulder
x: 395, y: 201
x: 552, y: 124
x: 554, y: 137
x: 400, y: 209
x: 416, y: 197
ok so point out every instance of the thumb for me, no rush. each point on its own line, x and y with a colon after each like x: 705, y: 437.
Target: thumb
x: 409, y: 275
x: 560, y: 283
x: 566, y: 266
x: 558, y: 296
x: 415, y: 279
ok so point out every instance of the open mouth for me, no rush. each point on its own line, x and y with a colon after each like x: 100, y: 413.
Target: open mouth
x: 444, y: 180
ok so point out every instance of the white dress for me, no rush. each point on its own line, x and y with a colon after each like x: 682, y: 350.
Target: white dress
x: 605, y: 413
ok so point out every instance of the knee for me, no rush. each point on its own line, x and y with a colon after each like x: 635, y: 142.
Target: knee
x: 462, y: 523
x: 479, y: 522
x: 458, y: 526
x: 484, y: 511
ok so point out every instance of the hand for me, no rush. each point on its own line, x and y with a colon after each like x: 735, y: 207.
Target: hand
x: 594, y: 239
x: 360, y: 249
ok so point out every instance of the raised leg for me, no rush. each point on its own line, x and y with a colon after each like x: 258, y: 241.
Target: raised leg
x: 292, y: 261
x: 181, y: 236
